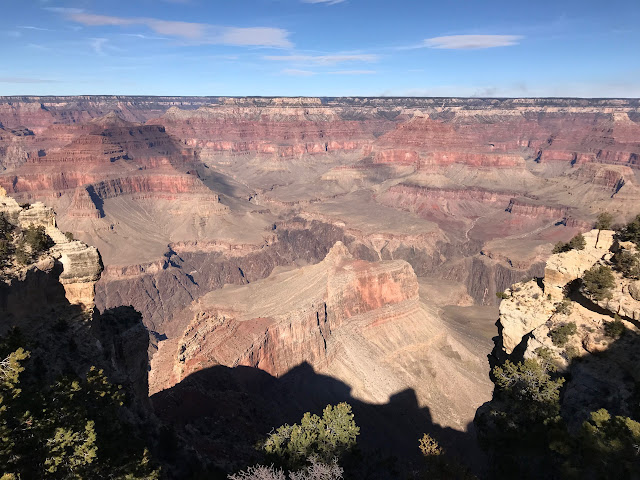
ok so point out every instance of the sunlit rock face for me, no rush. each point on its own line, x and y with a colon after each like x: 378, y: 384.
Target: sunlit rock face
x: 81, y: 264
x: 282, y: 321
x: 357, y: 321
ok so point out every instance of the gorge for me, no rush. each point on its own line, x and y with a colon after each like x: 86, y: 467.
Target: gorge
x: 293, y: 252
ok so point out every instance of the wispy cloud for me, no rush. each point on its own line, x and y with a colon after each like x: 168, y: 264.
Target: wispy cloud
x: 29, y: 27
x: 472, y: 42
x: 64, y: 10
x: 144, y: 37
x: 308, y: 73
x: 193, y: 33
x: 98, y: 45
x: 323, y: 59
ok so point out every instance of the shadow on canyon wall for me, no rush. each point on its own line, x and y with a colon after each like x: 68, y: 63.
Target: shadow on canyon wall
x: 224, y: 412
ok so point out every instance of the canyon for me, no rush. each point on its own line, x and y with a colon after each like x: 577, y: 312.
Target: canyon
x: 358, y: 239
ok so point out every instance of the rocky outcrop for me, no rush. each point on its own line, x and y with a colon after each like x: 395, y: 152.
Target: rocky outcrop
x: 353, y: 320
x: 51, y: 301
x: 269, y: 326
x: 599, y: 362
x: 536, y: 209
x: 80, y: 264
x: 530, y: 305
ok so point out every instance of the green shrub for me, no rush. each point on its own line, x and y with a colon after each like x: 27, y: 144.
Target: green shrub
x: 502, y: 295
x: 572, y: 352
x: 564, y: 307
x: 5, y: 251
x: 604, y: 221
x: 614, y: 329
x: 325, y: 437
x: 6, y: 227
x: 598, y: 282
x: 70, y: 429
x: 631, y: 232
x: 578, y: 242
x: 561, y: 247
x: 560, y: 335
x: 529, y: 386
x: 69, y: 236
x: 22, y: 256
x: 37, y: 239
x: 627, y: 263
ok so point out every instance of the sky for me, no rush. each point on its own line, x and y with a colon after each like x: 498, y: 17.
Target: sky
x: 468, y: 48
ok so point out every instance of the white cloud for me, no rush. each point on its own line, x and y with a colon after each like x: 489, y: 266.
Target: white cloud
x: 64, y: 10
x: 472, y: 42
x: 323, y: 59
x: 29, y: 27
x: 144, y: 37
x: 263, y: 36
x: 196, y: 33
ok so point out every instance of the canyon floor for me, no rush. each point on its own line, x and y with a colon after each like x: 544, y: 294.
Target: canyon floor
x: 308, y: 250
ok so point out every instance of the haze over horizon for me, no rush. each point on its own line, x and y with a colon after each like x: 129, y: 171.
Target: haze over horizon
x: 320, y: 48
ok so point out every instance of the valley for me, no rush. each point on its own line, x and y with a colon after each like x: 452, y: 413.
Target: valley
x: 353, y: 241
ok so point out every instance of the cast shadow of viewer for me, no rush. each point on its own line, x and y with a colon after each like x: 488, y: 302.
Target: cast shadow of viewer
x: 224, y: 412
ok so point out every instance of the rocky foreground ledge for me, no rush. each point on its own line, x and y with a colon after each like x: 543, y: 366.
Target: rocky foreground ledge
x: 590, y: 339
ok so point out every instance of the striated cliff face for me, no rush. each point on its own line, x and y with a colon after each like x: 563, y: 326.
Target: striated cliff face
x: 363, y: 323
x: 278, y: 323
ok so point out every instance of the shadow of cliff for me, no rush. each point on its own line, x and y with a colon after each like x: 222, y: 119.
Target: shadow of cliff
x: 607, y: 379
x: 604, y: 379
x: 67, y: 339
x: 224, y: 412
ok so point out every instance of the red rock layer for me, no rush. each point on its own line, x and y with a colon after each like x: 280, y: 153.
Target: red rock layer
x: 286, y: 131
x: 527, y: 208
x: 573, y: 137
x: 272, y: 336
x: 425, y: 200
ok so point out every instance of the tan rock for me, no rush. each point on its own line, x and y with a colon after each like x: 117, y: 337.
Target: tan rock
x: 81, y: 264
x: 634, y: 290
x: 37, y: 214
x: 526, y: 309
x: 563, y: 268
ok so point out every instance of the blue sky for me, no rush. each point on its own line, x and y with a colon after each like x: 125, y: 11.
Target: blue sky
x: 321, y: 47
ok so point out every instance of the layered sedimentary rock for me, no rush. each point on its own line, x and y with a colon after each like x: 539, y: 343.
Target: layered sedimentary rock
x: 354, y: 320
x: 277, y: 324
x: 183, y: 196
